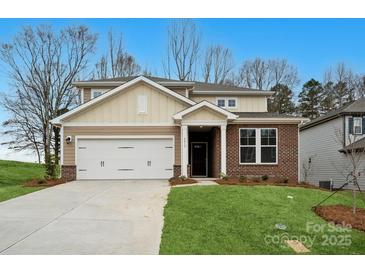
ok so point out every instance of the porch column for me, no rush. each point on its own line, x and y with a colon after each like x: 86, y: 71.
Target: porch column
x: 184, y: 150
x: 223, y: 149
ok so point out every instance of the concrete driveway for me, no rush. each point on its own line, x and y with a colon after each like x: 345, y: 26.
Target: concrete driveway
x: 86, y: 217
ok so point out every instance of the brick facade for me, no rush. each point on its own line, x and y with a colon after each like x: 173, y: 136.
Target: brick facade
x: 287, y: 153
x: 68, y: 172
x: 216, y: 152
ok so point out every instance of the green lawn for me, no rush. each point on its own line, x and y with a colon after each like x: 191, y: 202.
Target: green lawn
x: 241, y: 220
x: 13, y: 174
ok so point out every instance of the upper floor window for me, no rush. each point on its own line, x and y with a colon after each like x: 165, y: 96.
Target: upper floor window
x: 232, y: 103
x: 357, y: 126
x: 221, y: 103
x: 226, y: 102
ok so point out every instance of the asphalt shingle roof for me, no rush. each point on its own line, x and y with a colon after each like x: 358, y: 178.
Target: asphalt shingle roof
x: 358, y: 145
x: 353, y: 108
x: 198, y: 86
x: 263, y: 115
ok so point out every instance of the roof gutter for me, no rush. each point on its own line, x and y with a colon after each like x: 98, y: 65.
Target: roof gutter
x: 234, y: 92
x: 269, y: 120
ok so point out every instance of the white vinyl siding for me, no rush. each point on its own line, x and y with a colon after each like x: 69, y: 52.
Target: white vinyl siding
x: 322, y: 143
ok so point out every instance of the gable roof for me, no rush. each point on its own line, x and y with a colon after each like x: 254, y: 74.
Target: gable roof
x: 118, y: 89
x: 359, y: 145
x: 356, y: 107
x: 198, y: 87
x: 230, y: 115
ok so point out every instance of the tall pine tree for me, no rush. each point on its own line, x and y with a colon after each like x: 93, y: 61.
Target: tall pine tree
x: 282, y: 100
x: 309, y: 99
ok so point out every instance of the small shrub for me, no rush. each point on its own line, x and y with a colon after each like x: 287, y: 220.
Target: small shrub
x: 182, y: 178
x: 241, y: 178
x: 285, y: 180
x: 264, y: 177
x: 224, y: 176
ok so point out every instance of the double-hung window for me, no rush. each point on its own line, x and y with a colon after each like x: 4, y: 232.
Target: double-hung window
x: 268, y: 145
x: 357, y: 125
x: 258, y: 146
x: 248, y: 145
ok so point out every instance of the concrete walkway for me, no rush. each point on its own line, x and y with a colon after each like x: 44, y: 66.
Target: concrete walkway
x: 200, y: 183
x: 86, y: 217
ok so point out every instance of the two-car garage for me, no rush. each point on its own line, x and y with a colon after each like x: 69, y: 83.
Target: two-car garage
x: 125, y: 157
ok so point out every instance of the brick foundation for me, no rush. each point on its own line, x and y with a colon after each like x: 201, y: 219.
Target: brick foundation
x: 287, y: 153
x: 177, y: 170
x: 68, y: 172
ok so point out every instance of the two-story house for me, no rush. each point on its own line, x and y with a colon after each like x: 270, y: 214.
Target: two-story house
x: 325, y: 144
x: 152, y: 128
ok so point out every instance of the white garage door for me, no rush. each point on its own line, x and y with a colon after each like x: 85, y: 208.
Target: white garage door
x: 125, y: 158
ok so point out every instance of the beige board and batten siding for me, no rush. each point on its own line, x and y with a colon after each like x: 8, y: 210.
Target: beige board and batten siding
x: 204, y: 114
x: 69, y: 149
x: 122, y: 108
x: 244, y: 103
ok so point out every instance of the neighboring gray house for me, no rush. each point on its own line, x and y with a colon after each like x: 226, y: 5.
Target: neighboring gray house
x: 324, y: 141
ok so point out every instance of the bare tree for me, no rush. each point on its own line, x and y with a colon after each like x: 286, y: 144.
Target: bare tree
x: 41, y: 66
x: 218, y: 63
x: 264, y: 74
x: 182, y: 50
x: 353, y: 165
x: 307, y: 167
x: 117, y: 62
x: 360, y: 86
x: 341, y: 86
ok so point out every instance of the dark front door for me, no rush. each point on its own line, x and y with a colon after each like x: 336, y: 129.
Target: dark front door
x: 199, y: 159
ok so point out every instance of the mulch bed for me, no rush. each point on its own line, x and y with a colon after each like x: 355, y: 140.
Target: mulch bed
x: 179, y: 181
x: 43, y: 182
x: 260, y: 182
x: 342, y: 215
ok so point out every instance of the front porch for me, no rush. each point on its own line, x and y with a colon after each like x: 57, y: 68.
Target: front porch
x: 204, y: 151
x: 203, y: 139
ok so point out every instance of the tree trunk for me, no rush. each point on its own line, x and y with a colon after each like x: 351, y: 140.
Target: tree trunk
x: 354, y: 196
x: 56, y: 132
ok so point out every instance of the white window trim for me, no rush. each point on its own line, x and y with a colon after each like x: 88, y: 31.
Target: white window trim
x: 353, y: 126
x: 226, y: 102
x: 258, y: 146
